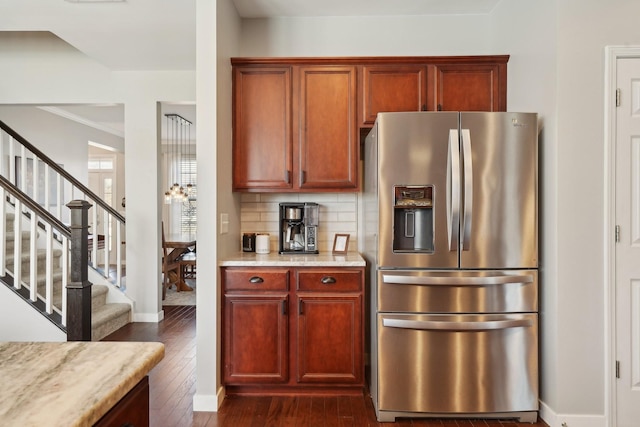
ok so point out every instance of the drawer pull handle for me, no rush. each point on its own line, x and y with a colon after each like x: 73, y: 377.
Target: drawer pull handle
x: 256, y: 279
x: 328, y: 280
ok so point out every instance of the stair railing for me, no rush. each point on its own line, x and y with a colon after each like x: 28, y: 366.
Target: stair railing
x: 49, y: 184
x: 51, y: 302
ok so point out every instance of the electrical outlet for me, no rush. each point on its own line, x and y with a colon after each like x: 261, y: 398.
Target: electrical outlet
x: 224, y: 223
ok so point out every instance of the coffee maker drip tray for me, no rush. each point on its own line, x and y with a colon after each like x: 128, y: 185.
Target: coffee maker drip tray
x: 298, y: 227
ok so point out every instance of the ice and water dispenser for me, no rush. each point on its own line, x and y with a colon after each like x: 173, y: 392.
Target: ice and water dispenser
x: 413, y: 219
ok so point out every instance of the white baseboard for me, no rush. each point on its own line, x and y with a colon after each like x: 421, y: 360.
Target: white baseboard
x: 208, y: 402
x: 148, y: 317
x: 569, y: 420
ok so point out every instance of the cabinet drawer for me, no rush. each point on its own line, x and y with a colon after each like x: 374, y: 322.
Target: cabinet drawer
x: 330, y: 281
x: 256, y: 279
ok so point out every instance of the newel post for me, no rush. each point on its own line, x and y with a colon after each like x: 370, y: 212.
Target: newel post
x: 79, y: 287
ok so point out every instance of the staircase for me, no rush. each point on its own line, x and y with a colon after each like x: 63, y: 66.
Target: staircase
x: 106, y: 317
x: 47, y: 195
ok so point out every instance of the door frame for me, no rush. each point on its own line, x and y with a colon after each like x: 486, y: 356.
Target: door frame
x: 612, y: 55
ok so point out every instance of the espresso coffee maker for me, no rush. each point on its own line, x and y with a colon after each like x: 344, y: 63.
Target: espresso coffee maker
x: 298, y: 228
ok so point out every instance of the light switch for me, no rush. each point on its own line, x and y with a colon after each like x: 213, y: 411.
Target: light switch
x: 224, y: 223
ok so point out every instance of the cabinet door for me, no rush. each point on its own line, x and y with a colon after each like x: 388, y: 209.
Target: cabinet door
x: 131, y: 410
x: 471, y: 87
x: 330, y: 343
x: 262, y: 144
x: 256, y: 339
x: 327, y: 130
x: 392, y: 88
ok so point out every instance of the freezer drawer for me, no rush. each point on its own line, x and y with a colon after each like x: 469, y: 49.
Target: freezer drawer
x: 504, y: 291
x: 446, y: 364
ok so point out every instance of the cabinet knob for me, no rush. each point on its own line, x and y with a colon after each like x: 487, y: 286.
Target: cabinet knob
x: 328, y: 280
x: 256, y: 279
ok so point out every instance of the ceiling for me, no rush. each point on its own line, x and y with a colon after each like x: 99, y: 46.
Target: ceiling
x: 116, y: 32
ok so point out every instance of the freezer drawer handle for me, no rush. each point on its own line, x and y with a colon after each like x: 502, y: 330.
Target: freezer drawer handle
x: 457, y: 326
x: 455, y: 280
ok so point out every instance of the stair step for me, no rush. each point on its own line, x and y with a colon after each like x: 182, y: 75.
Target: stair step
x: 11, y: 238
x: 98, y: 296
x: 109, y: 318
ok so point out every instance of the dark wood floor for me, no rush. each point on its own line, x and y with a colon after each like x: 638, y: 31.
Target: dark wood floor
x: 172, y: 385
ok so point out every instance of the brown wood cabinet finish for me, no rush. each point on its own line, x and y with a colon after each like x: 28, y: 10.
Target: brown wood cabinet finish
x: 256, y: 307
x: 327, y: 135
x: 470, y: 87
x: 131, y: 410
x: 297, y: 121
x: 388, y: 88
x: 258, y: 352
x: 262, y: 138
x: 309, y: 340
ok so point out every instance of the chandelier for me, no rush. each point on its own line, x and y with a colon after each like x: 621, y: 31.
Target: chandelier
x: 179, y: 137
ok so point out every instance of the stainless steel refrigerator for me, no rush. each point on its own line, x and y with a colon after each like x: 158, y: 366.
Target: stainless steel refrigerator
x: 450, y: 221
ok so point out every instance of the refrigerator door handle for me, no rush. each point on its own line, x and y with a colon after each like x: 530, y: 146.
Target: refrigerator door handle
x: 468, y: 190
x: 453, y: 190
x: 427, y: 325
x: 456, y: 280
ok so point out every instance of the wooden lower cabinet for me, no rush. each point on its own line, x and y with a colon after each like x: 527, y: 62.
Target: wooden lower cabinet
x: 258, y: 352
x: 308, y: 339
x: 131, y: 410
x: 329, y: 348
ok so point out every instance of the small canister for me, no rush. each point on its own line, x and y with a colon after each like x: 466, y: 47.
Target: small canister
x: 249, y: 242
x: 262, y: 243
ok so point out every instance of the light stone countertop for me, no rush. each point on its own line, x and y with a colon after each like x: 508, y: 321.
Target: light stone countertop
x: 69, y: 383
x: 274, y: 259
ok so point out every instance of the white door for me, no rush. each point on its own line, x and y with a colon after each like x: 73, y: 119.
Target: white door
x: 627, y: 250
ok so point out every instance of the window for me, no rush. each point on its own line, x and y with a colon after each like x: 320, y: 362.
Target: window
x: 100, y: 164
x: 188, y: 175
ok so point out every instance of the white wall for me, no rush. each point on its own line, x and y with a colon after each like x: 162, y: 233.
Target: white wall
x: 18, y: 324
x: 366, y: 35
x: 65, y: 142
x: 584, y: 29
x: 217, y: 34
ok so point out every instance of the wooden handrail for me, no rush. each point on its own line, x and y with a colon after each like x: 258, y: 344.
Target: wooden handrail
x: 66, y: 175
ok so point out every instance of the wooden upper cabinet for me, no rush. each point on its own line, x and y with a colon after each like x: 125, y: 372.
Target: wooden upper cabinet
x: 327, y: 132
x: 262, y: 141
x: 388, y: 88
x: 470, y: 87
x: 297, y: 121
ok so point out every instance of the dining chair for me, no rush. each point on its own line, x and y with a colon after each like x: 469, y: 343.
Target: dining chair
x: 171, y: 268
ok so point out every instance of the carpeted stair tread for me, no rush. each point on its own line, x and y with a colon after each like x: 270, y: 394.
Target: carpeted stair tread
x: 41, y: 255
x: 98, y: 296
x: 108, y: 318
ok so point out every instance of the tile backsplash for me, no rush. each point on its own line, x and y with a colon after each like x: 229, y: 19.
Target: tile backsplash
x: 338, y: 214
